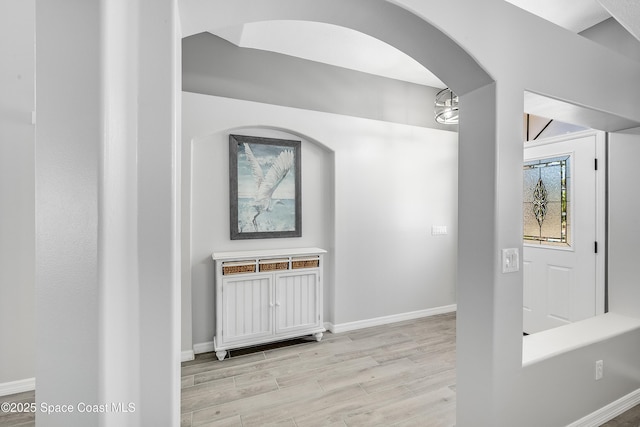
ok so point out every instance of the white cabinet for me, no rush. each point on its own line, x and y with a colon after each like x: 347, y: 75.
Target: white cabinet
x: 265, y: 296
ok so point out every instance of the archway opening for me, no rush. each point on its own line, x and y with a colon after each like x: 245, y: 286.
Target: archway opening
x: 476, y: 134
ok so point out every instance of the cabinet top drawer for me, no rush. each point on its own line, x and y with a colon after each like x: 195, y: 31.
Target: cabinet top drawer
x: 241, y: 267
x: 274, y: 264
x: 305, y: 262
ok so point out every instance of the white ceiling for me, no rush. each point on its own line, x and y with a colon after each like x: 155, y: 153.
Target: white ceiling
x: 350, y: 49
x: 330, y: 44
x: 574, y: 15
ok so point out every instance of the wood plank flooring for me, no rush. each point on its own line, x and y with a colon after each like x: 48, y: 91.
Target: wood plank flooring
x: 631, y: 418
x: 18, y: 419
x: 394, y: 375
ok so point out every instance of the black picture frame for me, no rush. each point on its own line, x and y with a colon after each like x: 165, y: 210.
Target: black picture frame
x: 264, y: 187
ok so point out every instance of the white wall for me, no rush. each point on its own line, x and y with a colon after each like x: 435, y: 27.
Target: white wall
x: 67, y: 150
x: 371, y: 192
x: 392, y: 184
x: 17, y: 186
x: 624, y: 227
x: 565, y: 386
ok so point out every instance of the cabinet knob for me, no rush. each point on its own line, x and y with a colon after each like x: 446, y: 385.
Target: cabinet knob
x: 278, y: 304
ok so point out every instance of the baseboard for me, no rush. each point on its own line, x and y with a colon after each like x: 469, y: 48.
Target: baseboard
x: 607, y: 413
x: 19, y: 386
x: 377, y: 321
x: 203, y: 347
x: 187, y: 355
x: 206, y: 347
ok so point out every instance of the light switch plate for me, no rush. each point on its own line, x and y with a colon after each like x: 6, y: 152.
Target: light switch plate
x: 510, y: 260
x: 438, y: 230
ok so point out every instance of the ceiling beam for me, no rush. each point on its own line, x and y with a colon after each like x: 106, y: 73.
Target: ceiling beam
x: 567, y: 112
x: 626, y: 12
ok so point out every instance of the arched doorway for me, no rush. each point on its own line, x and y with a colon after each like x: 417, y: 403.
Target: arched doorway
x: 477, y: 135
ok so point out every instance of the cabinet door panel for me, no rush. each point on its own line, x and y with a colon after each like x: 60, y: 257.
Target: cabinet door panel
x: 247, y: 312
x: 297, y: 305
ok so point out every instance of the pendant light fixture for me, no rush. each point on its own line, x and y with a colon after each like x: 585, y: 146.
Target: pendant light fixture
x: 446, y: 107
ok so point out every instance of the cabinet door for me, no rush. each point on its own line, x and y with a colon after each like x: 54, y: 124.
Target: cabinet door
x: 297, y: 301
x: 247, y: 312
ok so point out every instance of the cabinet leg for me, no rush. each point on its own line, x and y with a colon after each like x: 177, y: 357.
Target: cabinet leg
x: 318, y: 336
x: 221, y: 354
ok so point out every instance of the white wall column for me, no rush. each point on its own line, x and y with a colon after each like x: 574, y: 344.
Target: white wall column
x: 17, y: 217
x: 120, y: 345
x: 106, y: 201
x: 477, y: 259
x: 158, y: 170
x: 624, y: 230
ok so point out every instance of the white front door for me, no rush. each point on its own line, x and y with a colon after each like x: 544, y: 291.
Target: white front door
x: 563, y: 230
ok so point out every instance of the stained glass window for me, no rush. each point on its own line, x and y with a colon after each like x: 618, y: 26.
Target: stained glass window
x: 546, y: 204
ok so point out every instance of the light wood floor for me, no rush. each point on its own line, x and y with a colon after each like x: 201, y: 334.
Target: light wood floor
x: 395, y: 375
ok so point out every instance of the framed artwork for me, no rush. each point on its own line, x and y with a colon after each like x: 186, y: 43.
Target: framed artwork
x: 264, y: 187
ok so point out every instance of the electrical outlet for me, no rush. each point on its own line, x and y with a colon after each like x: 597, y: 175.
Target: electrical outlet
x: 599, y: 369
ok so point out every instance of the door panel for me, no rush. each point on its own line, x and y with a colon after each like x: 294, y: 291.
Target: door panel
x: 296, y: 301
x: 559, y: 292
x: 247, y: 312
